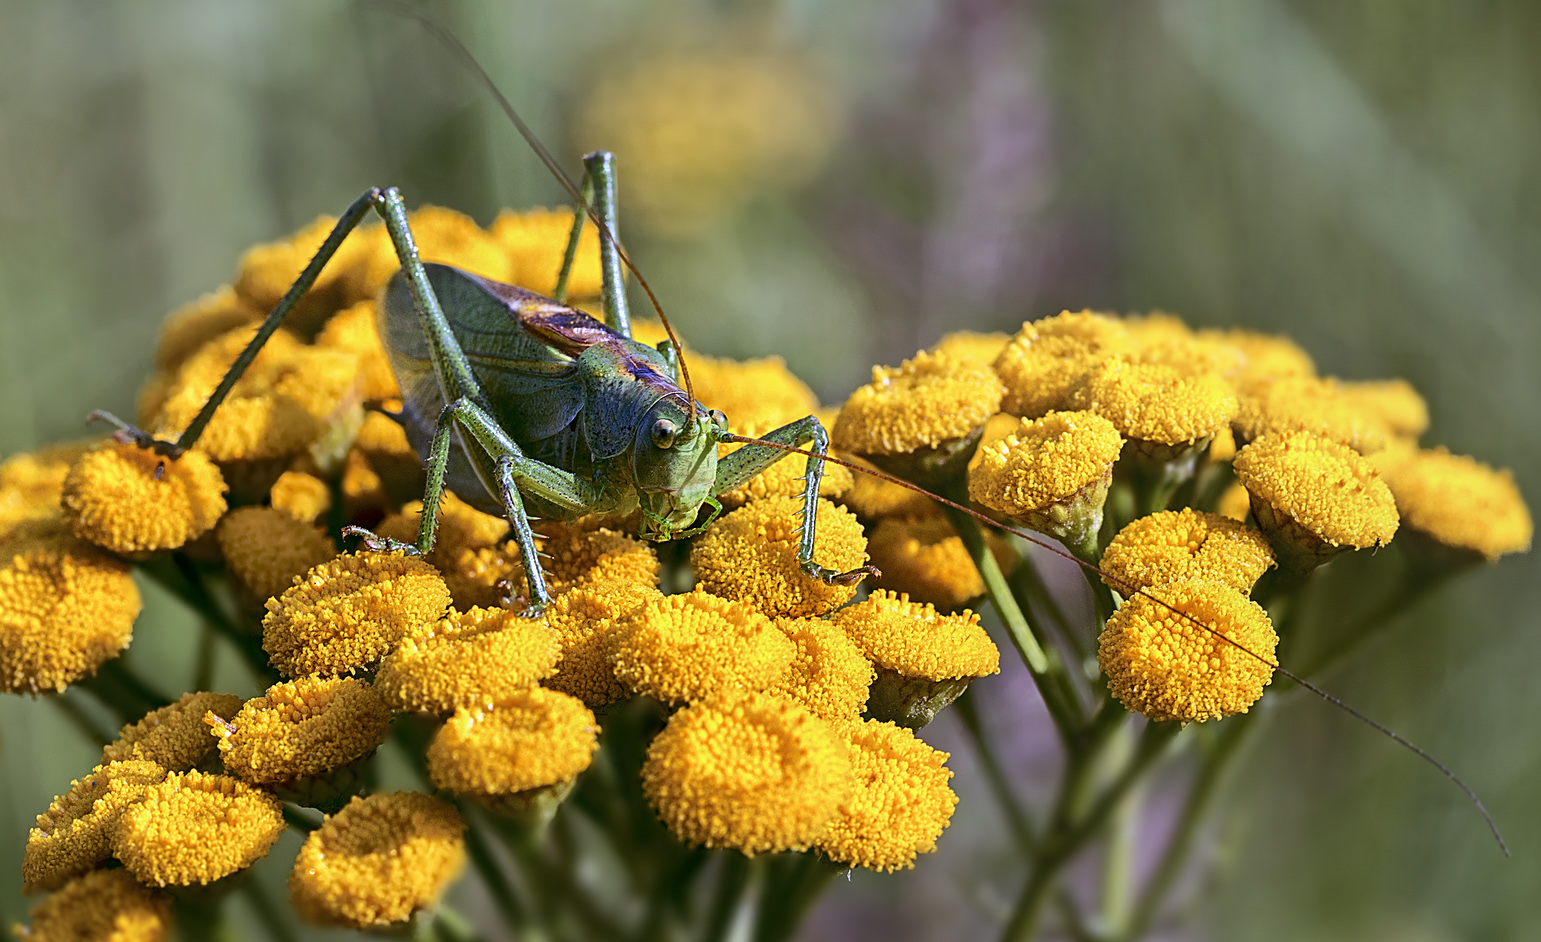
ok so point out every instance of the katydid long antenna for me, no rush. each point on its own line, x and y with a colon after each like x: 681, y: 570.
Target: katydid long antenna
x: 1129, y: 589
x: 469, y: 62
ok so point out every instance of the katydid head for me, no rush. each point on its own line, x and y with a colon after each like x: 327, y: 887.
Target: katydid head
x: 674, y: 465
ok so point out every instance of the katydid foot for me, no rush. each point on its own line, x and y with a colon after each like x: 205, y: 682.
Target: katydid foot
x: 831, y: 577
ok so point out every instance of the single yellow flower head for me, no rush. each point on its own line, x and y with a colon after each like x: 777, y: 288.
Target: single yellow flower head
x: 193, y: 829
x: 973, y: 347
x: 1265, y: 357
x: 468, y: 659
x: 290, y: 396
x: 535, y: 240
x: 1185, y: 544
x: 1394, y: 402
x: 1164, y: 667
x: 1046, y: 358
x: 468, y: 550
x: 132, y: 501
x: 268, y: 549
x: 584, y: 618
x: 756, y: 395
x: 828, y: 674
x: 188, y: 328
x: 927, y: 401
x: 916, y: 640
x: 173, y: 737
x: 755, y: 773
x: 698, y: 133
x: 1460, y: 502
x: 347, y: 614
x: 576, y: 555
x: 924, y: 558
x: 353, y: 330
x: 1154, y: 342
x: 751, y: 555
x: 902, y: 802
x: 1308, y: 404
x: 31, y: 484
x: 453, y: 238
x: 102, y: 906
x: 378, y: 861
x: 530, y: 740
x: 684, y: 647
x: 302, y: 729
x: 1314, y: 495
x: 872, y: 498
x: 783, y: 479
x: 65, y: 608
x: 1156, y: 403
x: 1052, y: 475
x: 266, y: 271
x: 75, y: 833
x: 301, y: 495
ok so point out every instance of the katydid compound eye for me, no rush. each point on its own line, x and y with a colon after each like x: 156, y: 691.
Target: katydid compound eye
x: 719, y: 420
x: 663, y: 433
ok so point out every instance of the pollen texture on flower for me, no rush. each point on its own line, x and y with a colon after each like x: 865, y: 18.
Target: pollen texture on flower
x: 684, y: 647
x: 751, y: 555
x: 828, y: 674
x: 268, y: 549
x: 130, y: 500
x: 532, y: 739
x: 173, y: 737
x: 1046, y: 358
x: 929, y: 399
x: 301, y: 729
x: 755, y: 773
x: 901, y: 803
x: 756, y: 395
x: 1461, y: 502
x: 377, y: 861
x: 925, y: 558
x: 468, y: 659
x: 1156, y: 403
x: 1308, y: 404
x: 1208, y: 659
x: 193, y: 829
x: 1183, y: 544
x: 1048, y: 461
x: 347, y: 614
x: 915, y: 640
x: 1320, y: 485
x: 75, y: 833
x: 584, y: 618
x: 101, y: 906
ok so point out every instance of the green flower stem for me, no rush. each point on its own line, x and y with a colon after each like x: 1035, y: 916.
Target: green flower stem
x: 267, y: 911
x: 1048, y: 674
x: 496, y: 882
x: 995, y: 776
x: 450, y: 926
x: 788, y: 898
x: 1118, y: 862
x: 298, y: 819
x: 732, y: 884
x: 81, y: 720
x: 1195, y: 810
x: 1068, y: 831
x: 119, y: 673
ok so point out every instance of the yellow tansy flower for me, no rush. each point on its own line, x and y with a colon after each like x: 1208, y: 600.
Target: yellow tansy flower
x: 194, y: 829
x: 173, y: 737
x: 915, y: 640
x: 188, y: 328
x: 535, y: 240
x: 928, y: 401
x: 1052, y: 475
x: 684, y: 647
x: 352, y: 329
x: 301, y: 495
x: 1305, y: 403
x: 468, y: 659
x: 1265, y: 357
x: 31, y: 483
x: 584, y: 617
x: 1185, y: 544
x: 266, y: 272
x: 530, y: 740
x: 1314, y: 497
x: 347, y: 614
x: 468, y: 550
x: 901, y: 803
x: 1046, y: 358
x: 268, y: 549
x: 102, y: 906
x: 1235, y: 503
x: 925, y: 558
x: 302, y: 729
x: 1394, y: 402
x: 65, y: 608
x: 1460, y: 502
x: 1164, y: 667
x: 132, y: 501
x: 1155, y: 403
x: 972, y: 346
x: 751, y: 555
x: 828, y: 674
x: 378, y: 861
x: 755, y: 773
x: 872, y: 498
x: 785, y: 478
x: 756, y: 395
x: 75, y: 833
x: 382, y: 443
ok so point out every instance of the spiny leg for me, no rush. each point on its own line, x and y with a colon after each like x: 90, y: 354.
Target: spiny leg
x: 512, y: 470
x: 601, y: 170
x: 738, y: 467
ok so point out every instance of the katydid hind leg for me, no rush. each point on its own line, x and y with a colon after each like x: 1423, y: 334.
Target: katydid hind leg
x: 601, y: 170
x: 738, y: 467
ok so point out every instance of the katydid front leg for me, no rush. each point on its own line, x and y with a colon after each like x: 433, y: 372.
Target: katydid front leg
x: 738, y: 467
x: 513, y: 471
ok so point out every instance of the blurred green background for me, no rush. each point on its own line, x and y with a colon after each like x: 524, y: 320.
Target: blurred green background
x: 1365, y: 176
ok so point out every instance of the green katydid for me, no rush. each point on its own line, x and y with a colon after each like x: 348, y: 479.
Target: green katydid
x: 518, y: 402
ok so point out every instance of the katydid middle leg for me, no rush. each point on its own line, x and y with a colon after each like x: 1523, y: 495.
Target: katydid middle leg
x: 738, y: 467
